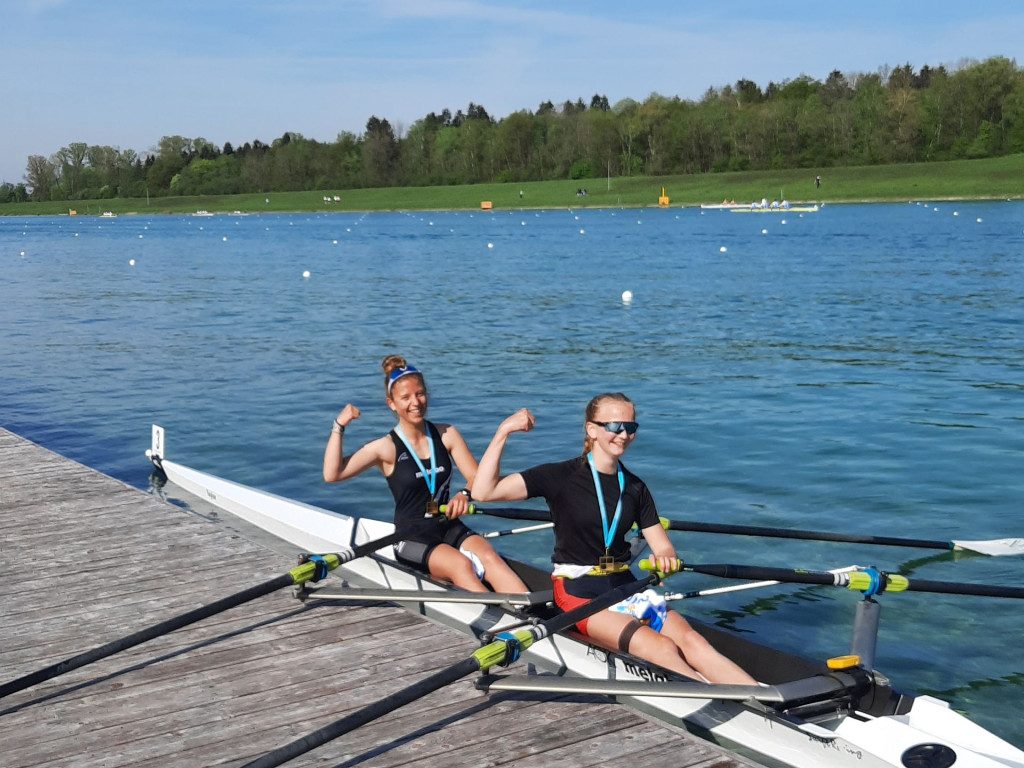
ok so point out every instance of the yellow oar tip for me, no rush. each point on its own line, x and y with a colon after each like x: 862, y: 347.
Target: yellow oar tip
x: 843, y: 662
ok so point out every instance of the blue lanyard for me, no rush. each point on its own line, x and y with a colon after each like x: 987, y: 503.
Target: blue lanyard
x: 609, y: 531
x: 429, y: 478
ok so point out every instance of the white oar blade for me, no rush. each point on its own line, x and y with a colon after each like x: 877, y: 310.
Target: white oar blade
x: 995, y: 547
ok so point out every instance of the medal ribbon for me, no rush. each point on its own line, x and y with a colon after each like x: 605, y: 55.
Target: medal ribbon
x: 609, y: 531
x: 429, y: 478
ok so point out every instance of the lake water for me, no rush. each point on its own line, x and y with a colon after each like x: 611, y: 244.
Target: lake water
x: 859, y: 369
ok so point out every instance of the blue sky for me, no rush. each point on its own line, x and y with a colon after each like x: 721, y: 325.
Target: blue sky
x: 126, y: 73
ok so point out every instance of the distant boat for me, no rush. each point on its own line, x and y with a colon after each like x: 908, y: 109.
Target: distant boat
x: 723, y: 206
x: 202, y: 213
x: 779, y: 209
x: 108, y: 215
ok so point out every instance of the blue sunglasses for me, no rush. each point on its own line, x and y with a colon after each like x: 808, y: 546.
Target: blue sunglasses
x: 618, y: 426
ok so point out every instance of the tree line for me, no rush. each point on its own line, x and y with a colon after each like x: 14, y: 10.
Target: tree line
x: 895, y: 115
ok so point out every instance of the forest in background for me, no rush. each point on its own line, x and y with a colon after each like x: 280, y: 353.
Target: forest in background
x: 892, y: 116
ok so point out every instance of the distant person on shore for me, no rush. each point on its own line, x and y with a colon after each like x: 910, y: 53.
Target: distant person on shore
x: 817, y: 181
x: 591, y: 559
x: 418, y: 457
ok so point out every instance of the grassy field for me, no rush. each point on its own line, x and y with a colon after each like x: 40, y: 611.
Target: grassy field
x: 996, y: 178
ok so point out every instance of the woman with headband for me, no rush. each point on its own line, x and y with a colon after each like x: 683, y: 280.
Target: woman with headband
x: 594, y: 501
x: 418, y: 458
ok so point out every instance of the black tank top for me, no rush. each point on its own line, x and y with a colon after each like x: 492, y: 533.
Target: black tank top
x: 409, y: 487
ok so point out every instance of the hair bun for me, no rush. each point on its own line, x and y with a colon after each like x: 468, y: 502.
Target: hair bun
x: 393, y: 363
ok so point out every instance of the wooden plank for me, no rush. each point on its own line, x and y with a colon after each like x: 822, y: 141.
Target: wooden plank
x: 251, y: 679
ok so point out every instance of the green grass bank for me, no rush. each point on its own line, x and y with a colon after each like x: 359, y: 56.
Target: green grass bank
x: 987, y: 179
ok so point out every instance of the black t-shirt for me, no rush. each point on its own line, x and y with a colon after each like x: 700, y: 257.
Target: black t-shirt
x: 568, y: 488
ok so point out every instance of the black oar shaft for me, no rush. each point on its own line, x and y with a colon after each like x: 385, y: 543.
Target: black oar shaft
x: 757, y: 573
x: 367, y: 714
x: 858, y: 580
x: 515, y: 513
x: 957, y: 588
x: 789, y: 533
x: 294, y: 576
x: 487, y: 656
x: 142, y: 636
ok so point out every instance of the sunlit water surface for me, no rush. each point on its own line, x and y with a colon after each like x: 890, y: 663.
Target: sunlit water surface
x: 858, y: 369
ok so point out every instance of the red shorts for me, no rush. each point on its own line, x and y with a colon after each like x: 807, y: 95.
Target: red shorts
x: 567, y: 602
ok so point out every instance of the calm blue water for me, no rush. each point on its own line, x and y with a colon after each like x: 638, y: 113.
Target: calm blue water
x: 860, y: 369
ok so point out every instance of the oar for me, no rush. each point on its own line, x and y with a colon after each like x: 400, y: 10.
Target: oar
x: 502, y: 651
x: 514, y: 531
x: 994, y: 547
x: 671, y: 596
x: 867, y: 580
x: 312, y: 570
x: 512, y: 513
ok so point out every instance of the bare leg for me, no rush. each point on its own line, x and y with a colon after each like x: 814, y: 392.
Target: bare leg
x: 605, y: 627
x: 700, y: 654
x: 446, y: 562
x: 498, y: 573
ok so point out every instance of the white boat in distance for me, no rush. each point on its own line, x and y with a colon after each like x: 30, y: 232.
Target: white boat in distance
x: 202, y: 213
x: 778, y: 209
x: 806, y: 715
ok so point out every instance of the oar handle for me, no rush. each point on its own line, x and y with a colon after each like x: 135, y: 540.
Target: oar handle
x: 647, y: 565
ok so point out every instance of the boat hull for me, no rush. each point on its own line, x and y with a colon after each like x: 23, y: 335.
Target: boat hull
x: 876, y: 731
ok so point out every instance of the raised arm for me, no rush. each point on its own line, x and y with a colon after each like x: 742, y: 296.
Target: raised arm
x: 337, y: 466
x: 489, y: 485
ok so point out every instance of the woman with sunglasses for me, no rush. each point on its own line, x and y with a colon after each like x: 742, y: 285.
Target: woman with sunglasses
x: 594, y: 501
x: 418, y: 457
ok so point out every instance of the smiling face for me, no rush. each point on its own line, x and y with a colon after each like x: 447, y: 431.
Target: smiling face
x: 610, y: 444
x: 409, y: 399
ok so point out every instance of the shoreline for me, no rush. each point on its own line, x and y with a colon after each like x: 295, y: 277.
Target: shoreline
x: 597, y: 207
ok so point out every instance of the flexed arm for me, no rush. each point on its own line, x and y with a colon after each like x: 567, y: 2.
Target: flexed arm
x: 337, y: 466
x: 489, y: 484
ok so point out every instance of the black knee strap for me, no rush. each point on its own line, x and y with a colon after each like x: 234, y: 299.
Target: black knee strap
x: 627, y: 634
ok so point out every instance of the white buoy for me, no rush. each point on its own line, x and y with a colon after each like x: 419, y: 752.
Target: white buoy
x: 490, y: 245
x: 140, y: 237
x: 131, y: 262
x: 783, y: 221
x: 979, y: 221
x: 22, y: 253
x: 224, y: 239
x: 582, y: 231
x: 723, y: 249
x: 334, y: 242
x: 627, y: 297
x: 306, y: 274
x: 764, y: 231
x: 956, y: 213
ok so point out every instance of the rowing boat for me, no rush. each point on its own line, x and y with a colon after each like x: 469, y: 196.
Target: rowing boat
x: 807, y: 713
x: 780, y: 209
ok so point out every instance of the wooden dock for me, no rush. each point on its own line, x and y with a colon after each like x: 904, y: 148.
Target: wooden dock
x: 86, y: 559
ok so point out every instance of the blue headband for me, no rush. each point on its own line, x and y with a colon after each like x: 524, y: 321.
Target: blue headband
x: 399, y: 373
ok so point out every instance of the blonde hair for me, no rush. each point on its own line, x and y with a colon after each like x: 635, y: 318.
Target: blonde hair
x: 591, y: 412
x: 394, y: 363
